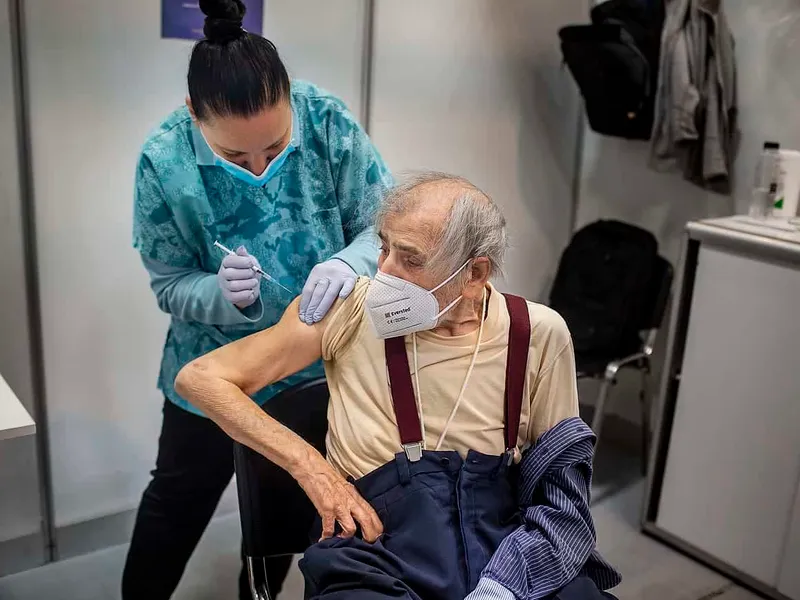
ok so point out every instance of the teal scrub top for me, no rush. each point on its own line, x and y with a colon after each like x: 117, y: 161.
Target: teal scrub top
x: 320, y: 205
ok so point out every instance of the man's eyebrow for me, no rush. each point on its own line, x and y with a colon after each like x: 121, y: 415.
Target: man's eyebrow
x: 407, y: 248
x: 410, y: 248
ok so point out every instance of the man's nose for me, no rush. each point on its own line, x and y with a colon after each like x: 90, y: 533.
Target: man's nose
x: 389, y: 266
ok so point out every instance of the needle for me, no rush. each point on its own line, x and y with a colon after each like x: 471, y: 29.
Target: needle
x: 258, y: 270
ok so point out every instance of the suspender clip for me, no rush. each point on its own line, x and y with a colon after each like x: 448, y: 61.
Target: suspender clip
x: 513, y: 455
x: 413, y: 451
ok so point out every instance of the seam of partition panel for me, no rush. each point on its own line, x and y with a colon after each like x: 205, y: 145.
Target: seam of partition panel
x: 367, y: 48
x: 22, y: 107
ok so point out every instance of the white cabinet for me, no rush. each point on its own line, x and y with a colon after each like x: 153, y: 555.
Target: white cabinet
x: 724, y: 482
x: 731, y: 472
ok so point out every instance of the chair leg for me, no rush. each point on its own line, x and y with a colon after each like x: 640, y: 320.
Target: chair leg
x: 257, y: 576
x: 600, y: 407
x: 644, y: 401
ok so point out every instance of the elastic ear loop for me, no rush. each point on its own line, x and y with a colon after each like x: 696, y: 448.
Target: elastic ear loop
x: 445, y: 282
x: 469, y: 371
x: 466, y: 378
x: 463, y: 385
x: 419, y: 392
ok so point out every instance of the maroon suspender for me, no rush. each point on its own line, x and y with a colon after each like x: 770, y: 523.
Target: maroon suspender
x: 519, y: 340
x: 402, y: 389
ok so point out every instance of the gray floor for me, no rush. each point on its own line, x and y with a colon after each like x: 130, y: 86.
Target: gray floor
x: 651, y: 571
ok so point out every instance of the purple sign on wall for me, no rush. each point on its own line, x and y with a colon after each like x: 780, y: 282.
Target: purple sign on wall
x: 182, y: 19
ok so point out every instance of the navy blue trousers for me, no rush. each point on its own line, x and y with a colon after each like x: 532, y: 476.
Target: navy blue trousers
x: 443, y: 518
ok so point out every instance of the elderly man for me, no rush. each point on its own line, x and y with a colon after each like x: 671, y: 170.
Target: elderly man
x: 456, y: 462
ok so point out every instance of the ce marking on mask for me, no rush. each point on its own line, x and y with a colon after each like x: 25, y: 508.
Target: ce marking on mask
x: 397, y: 316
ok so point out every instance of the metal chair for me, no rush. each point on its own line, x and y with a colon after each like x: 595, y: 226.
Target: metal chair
x: 606, y: 366
x: 276, y: 514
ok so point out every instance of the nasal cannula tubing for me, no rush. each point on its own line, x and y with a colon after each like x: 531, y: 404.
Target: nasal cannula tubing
x: 255, y: 268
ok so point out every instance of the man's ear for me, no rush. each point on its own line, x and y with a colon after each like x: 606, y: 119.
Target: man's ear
x: 479, y: 273
x: 481, y: 270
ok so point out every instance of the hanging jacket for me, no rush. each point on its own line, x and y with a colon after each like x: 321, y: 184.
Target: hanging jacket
x: 695, y: 113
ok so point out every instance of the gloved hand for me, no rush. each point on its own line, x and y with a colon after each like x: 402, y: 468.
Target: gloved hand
x: 240, y: 284
x: 327, y: 280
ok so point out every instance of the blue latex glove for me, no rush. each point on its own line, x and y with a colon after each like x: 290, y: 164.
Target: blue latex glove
x: 240, y: 284
x: 327, y: 281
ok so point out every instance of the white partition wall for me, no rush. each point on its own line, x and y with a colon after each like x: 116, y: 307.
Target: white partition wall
x: 100, y: 79
x: 20, y: 517
x: 475, y: 87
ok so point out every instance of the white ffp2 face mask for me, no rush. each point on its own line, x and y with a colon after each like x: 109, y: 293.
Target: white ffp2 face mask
x: 398, y: 307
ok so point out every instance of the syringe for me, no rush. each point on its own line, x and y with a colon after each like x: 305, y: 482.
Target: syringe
x: 258, y: 270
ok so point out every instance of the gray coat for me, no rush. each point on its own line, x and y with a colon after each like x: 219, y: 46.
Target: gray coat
x: 695, y: 119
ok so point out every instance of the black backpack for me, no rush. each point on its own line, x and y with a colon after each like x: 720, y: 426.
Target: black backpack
x: 615, y: 63
x: 601, y: 288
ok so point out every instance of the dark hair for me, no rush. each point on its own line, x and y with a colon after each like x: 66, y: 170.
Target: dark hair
x: 232, y: 72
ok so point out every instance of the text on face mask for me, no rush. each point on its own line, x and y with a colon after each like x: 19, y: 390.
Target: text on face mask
x: 390, y: 316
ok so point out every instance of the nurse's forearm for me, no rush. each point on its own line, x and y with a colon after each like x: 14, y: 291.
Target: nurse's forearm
x: 193, y: 295
x: 362, y: 253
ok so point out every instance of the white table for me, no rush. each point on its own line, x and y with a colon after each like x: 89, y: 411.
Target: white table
x: 14, y: 419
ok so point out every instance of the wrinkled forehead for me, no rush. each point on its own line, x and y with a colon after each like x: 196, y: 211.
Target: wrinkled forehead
x: 421, y: 222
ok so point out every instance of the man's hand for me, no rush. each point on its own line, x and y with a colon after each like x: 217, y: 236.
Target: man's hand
x: 337, y: 500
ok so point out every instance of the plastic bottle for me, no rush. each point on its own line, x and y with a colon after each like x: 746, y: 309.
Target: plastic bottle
x: 765, y: 186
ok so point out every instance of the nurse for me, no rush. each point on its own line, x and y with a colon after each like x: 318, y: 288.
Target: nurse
x: 281, y: 172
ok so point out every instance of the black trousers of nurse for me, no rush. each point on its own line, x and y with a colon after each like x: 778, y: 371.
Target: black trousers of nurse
x: 193, y: 468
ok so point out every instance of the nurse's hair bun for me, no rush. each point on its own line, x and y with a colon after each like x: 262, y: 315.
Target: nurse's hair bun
x: 223, y: 20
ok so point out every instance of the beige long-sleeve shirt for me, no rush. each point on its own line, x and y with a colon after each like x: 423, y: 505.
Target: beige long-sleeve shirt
x: 363, y: 432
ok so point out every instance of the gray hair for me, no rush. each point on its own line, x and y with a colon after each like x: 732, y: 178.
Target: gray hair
x: 473, y: 228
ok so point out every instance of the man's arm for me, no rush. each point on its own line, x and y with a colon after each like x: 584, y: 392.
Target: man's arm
x: 220, y: 384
